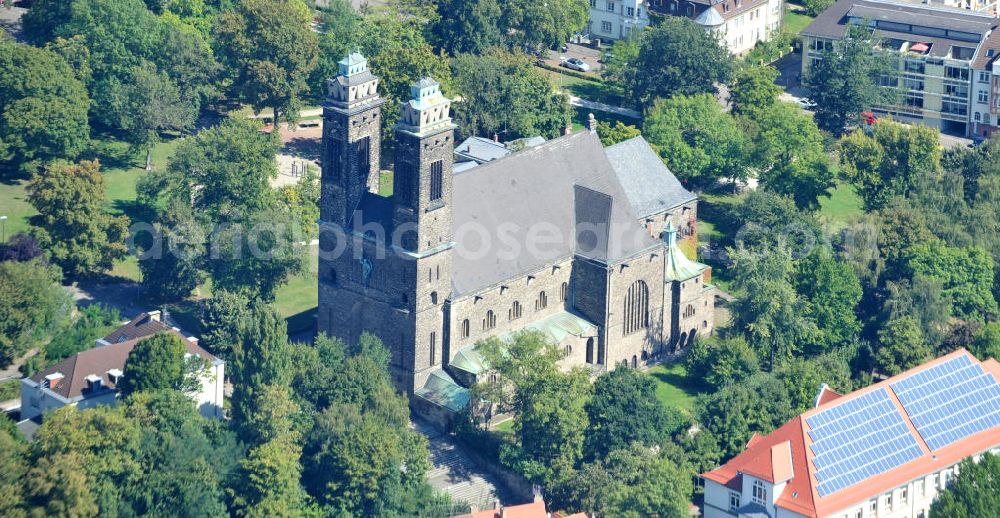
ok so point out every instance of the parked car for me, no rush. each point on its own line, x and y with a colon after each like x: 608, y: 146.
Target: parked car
x: 575, y: 64
x: 806, y: 103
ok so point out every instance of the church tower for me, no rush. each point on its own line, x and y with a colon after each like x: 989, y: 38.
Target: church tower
x: 422, y: 193
x: 351, y: 140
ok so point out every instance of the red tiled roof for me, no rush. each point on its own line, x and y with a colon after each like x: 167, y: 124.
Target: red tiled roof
x: 800, y: 495
x: 99, y: 360
x: 532, y: 510
x: 826, y: 395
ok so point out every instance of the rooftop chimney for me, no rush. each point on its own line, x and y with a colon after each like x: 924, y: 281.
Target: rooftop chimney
x: 94, y: 382
x: 591, y: 123
x: 154, y: 315
x: 496, y: 137
x: 52, y: 380
x: 114, y: 375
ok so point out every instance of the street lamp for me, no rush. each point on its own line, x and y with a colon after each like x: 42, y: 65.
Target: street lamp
x: 3, y: 229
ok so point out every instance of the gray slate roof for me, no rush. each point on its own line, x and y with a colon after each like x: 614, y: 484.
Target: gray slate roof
x: 481, y: 149
x: 651, y: 187
x: 538, y: 188
x: 832, y: 23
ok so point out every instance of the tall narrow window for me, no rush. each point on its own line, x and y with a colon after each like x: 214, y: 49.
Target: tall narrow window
x: 515, y: 311
x: 364, y: 156
x: 403, y: 183
x: 465, y: 328
x: 332, y: 171
x: 542, y: 301
x: 433, y: 348
x: 437, y: 179
x: 490, y: 321
x: 563, y: 291
x: 636, y: 308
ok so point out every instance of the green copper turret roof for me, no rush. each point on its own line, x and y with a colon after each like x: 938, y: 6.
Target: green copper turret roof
x: 679, y: 267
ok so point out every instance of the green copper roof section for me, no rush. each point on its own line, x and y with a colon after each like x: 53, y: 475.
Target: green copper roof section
x: 679, y: 267
x: 469, y: 360
x: 557, y: 327
x: 441, y: 390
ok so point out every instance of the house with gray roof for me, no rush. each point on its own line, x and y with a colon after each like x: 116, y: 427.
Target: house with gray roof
x: 566, y: 238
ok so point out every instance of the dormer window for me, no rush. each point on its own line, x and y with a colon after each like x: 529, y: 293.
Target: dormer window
x: 759, y: 493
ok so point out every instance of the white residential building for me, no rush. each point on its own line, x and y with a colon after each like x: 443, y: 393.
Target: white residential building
x: 740, y: 24
x: 884, y: 451
x: 89, y: 378
x: 616, y: 19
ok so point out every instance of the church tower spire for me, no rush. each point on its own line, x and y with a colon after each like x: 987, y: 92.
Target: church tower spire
x: 424, y: 158
x: 351, y: 139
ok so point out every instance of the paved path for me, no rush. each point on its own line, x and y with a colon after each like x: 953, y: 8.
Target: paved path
x: 601, y: 107
x: 453, y: 472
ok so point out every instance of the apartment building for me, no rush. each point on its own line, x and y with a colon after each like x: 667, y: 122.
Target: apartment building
x: 884, y: 451
x: 936, y: 49
x: 986, y: 88
x: 617, y: 19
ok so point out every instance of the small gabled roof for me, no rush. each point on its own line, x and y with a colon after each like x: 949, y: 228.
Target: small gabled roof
x: 649, y: 185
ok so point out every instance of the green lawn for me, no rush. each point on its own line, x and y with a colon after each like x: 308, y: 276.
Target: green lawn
x: 673, y: 388
x: 580, y: 118
x: 795, y: 22
x: 584, y: 88
x: 385, y: 183
x: 121, y: 170
x: 843, y: 204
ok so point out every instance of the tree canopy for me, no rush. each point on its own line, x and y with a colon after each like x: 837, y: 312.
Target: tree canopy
x: 73, y: 226
x: 43, y: 109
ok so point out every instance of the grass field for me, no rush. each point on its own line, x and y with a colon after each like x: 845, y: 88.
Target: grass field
x: 843, y: 204
x: 673, y: 388
x: 795, y: 22
x: 583, y: 88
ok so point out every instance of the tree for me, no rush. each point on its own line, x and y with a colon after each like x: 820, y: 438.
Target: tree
x: 901, y: 346
x: 148, y: 103
x: 159, y: 362
x: 814, y: 7
x: 735, y: 412
x: 803, y: 377
x: 219, y: 320
x: 13, y: 468
x: 832, y: 292
x: 58, y: 486
x: 845, y: 82
x: 74, y: 228
x: 543, y: 25
x: 890, y: 162
x: 678, y: 57
x: 966, y: 275
x: 43, y: 109
x: 170, y: 265
x: 769, y: 312
x: 187, y: 459
x: 719, y: 362
x: 504, y: 93
x: 32, y: 303
x: 269, y: 51
x: 974, y: 492
x: 754, y: 91
x: 790, y: 154
x: 699, y: 141
x: 764, y: 220
x: 624, y: 410
x: 260, y: 358
x: 20, y: 247
x: 619, y: 63
x: 469, y: 26
x: 272, y: 415
x: 269, y: 481
x: 223, y: 174
x: 620, y: 132
x: 121, y: 37
x: 986, y: 341
x: 338, y: 38
x: 631, y: 482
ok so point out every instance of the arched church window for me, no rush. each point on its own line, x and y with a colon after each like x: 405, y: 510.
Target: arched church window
x: 465, y: 328
x: 490, y: 321
x: 515, y: 311
x: 636, y: 308
x: 542, y: 301
x: 689, y: 311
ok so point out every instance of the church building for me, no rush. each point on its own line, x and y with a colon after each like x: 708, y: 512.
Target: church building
x: 579, y: 241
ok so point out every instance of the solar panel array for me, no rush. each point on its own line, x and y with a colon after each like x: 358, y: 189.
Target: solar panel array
x: 858, y: 439
x: 950, y: 401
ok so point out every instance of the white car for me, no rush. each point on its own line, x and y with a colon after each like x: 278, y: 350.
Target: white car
x: 806, y: 103
x: 575, y: 64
